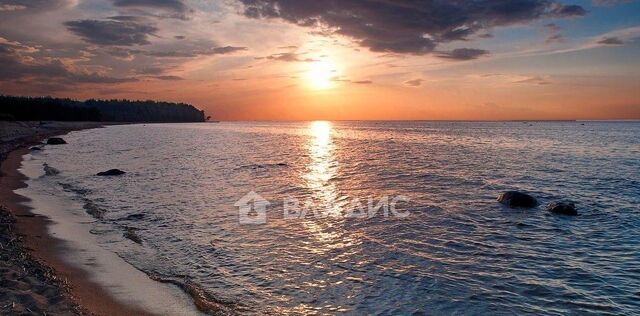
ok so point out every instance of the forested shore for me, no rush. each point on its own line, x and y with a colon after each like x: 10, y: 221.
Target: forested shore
x: 58, y: 109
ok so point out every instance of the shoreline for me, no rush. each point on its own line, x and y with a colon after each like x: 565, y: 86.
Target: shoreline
x: 65, y: 286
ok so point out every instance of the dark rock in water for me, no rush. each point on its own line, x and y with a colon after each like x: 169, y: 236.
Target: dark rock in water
x: 563, y: 207
x: 93, y: 210
x: 136, y: 216
x: 50, y: 171
x: 35, y: 148
x: 517, y: 199
x: 131, y: 234
x: 112, y: 172
x: 56, y: 141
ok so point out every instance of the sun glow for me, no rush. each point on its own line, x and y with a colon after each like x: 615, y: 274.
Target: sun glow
x: 320, y: 74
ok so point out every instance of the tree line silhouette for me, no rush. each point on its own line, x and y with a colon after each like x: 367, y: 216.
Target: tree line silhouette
x: 59, y: 109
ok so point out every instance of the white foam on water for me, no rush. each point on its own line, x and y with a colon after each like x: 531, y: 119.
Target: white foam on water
x: 71, y: 224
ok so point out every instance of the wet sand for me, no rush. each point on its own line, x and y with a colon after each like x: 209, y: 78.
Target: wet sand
x: 35, y: 278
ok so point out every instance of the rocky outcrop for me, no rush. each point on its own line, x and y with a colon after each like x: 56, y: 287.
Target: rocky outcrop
x: 563, y: 208
x: 112, y: 172
x: 515, y: 199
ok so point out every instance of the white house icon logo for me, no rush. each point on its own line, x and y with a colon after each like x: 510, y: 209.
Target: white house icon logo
x: 252, y: 209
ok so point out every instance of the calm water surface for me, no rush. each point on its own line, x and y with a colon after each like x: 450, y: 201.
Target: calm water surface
x: 458, y: 252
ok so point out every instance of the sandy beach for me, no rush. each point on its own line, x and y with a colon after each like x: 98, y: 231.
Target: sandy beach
x: 35, y: 278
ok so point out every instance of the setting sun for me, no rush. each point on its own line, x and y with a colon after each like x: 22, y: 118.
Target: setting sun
x: 320, y: 74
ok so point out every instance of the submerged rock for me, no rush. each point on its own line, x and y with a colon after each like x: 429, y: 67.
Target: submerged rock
x: 56, y: 141
x: 136, y: 216
x: 131, y: 234
x: 563, y: 208
x: 517, y: 199
x: 94, y: 210
x: 35, y: 148
x: 112, y: 172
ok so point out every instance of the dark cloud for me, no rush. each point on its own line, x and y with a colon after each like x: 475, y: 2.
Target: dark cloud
x: 188, y: 53
x: 151, y: 70
x: 607, y: 3
x: 554, y: 33
x: 159, y: 8
x: 554, y: 38
x: 19, y: 5
x: 552, y: 27
x: 16, y: 64
x: 463, y: 54
x: 414, y: 82
x: 112, y: 32
x: 128, y: 18
x: 122, y: 53
x: 188, y: 50
x: 408, y: 26
x: 90, y: 77
x: 168, y: 78
x: 224, y: 50
x: 170, y: 54
x: 566, y: 11
x: 611, y: 41
x: 288, y: 57
x: 363, y: 82
x: 175, y: 5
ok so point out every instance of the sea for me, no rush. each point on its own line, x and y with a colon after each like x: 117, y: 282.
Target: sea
x: 350, y: 217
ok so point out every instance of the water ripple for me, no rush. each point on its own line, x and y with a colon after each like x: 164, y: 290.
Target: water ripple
x: 459, y: 252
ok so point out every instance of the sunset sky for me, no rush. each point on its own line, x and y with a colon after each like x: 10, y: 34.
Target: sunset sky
x: 333, y: 59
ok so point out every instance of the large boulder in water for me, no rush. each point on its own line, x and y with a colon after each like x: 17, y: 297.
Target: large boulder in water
x: 517, y: 199
x: 56, y: 141
x: 112, y: 172
x: 563, y: 208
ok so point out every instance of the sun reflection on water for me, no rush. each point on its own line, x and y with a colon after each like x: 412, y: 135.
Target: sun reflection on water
x: 322, y: 169
x: 323, y: 166
x: 321, y: 148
